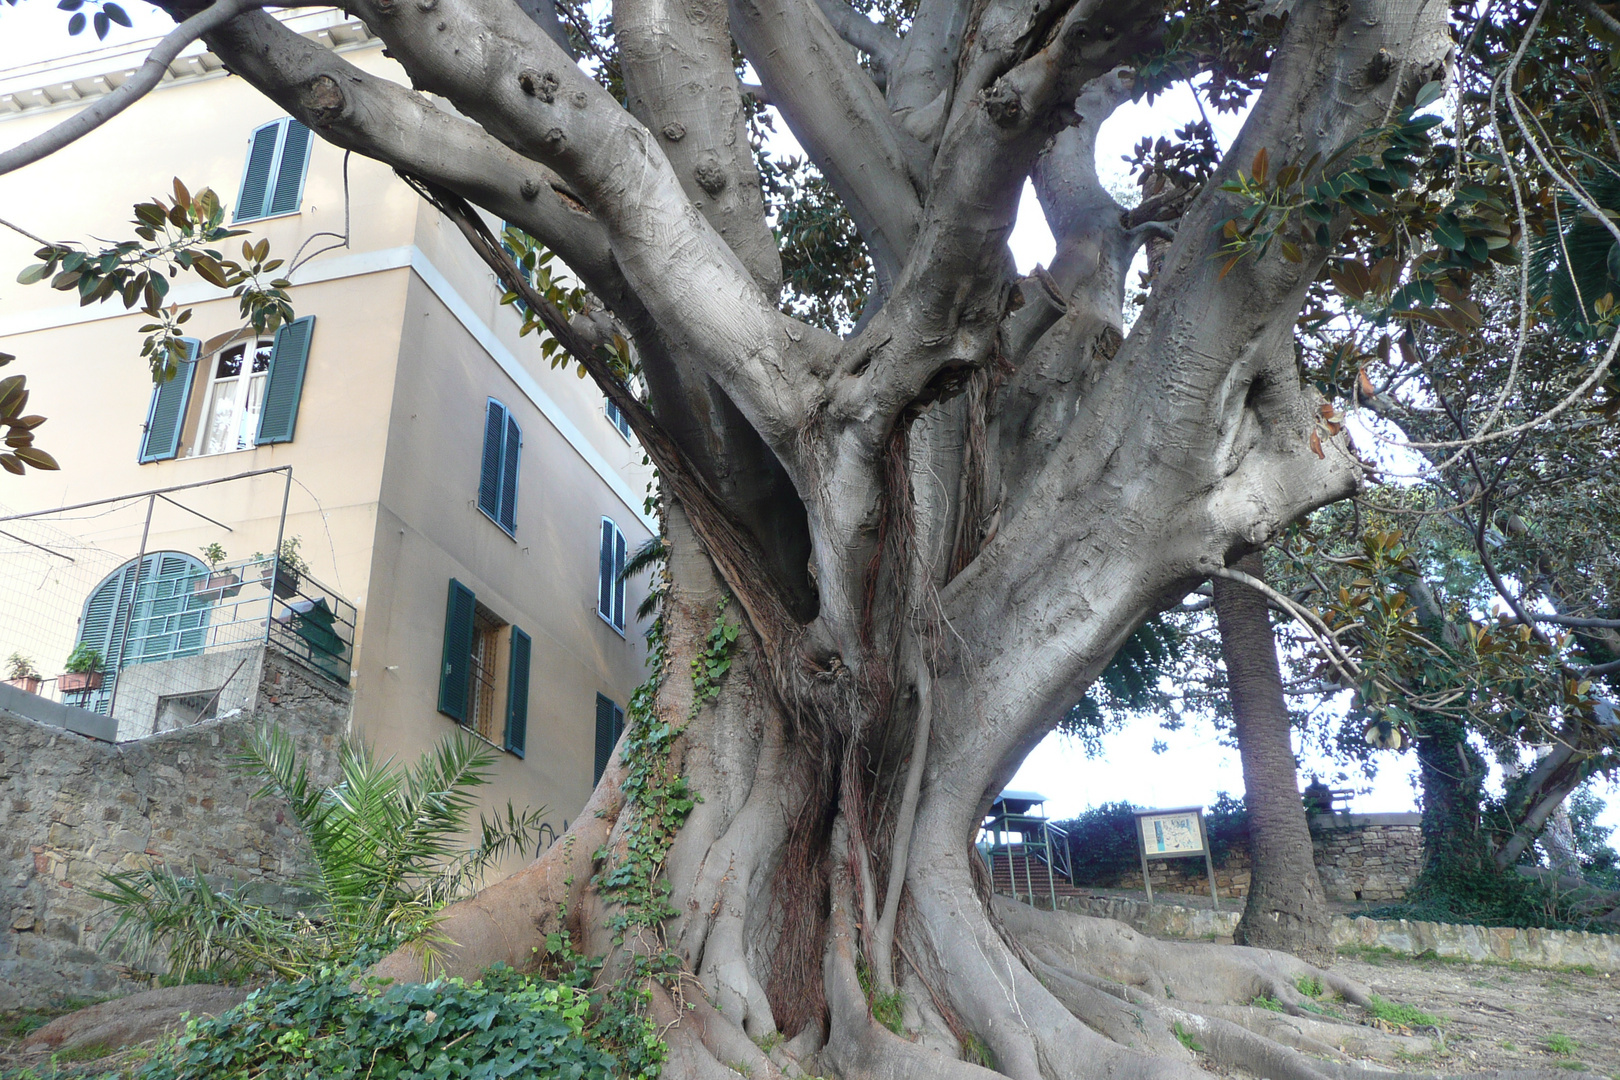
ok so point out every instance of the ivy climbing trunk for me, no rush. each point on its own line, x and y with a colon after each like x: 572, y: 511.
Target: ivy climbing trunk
x: 1286, y: 907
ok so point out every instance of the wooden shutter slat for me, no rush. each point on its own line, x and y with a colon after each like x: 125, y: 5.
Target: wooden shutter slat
x: 288, y: 189
x: 517, y: 692
x: 604, y: 573
x: 455, y: 671
x: 284, y: 382
x: 166, y: 415
x: 606, y: 739
x: 509, y: 476
x: 618, y: 578
x: 489, y: 477
x: 261, y: 161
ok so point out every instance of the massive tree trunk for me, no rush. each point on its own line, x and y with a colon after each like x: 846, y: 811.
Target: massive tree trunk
x: 931, y: 534
x: 1286, y: 908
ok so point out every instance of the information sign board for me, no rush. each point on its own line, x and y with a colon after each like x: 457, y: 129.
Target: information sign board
x: 1173, y: 834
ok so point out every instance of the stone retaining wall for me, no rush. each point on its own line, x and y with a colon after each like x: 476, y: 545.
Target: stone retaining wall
x: 1541, y: 948
x: 1359, y: 856
x: 73, y: 807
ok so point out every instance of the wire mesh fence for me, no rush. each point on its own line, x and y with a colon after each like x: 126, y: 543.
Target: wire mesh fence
x: 131, y: 606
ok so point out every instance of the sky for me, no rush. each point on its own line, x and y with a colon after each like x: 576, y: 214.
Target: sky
x: 1197, y: 763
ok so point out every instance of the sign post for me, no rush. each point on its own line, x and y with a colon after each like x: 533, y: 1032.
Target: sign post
x: 1173, y: 834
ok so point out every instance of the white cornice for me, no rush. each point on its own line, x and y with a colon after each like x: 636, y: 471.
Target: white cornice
x: 68, y: 82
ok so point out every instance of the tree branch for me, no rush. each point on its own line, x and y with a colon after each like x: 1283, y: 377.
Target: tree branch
x: 680, y: 83
x: 836, y: 112
x: 131, y: 90
x: 876, y: 40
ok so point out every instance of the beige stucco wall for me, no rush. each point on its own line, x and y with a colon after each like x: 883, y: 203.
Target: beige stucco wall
x: 386, y: 455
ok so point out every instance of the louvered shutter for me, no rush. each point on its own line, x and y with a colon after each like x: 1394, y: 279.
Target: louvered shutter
x: 456, y: 669
x: 517, y: 692
x: 166, y: 414
x: 288, y: 188
x: 509, y: 476
x: 609, y: 726
x: 170, y: 619
x: 618, y: 578
x: 604, y: 573
x: 284, y: 383
x: 256, y: 174
x: 102, y: 625
x: 489, y: 477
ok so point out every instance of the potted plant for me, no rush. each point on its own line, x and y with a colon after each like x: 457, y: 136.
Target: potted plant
x: 21, y: 673
x: 290, y: 568
x: 82, y: 671
x: 219, y: 583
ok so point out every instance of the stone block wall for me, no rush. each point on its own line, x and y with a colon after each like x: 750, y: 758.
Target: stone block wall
x: 72, y: 808
x: 1361, y: 857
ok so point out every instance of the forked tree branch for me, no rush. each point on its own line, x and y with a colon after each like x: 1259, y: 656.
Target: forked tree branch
x: 876, y: 40
x: 131, y: 90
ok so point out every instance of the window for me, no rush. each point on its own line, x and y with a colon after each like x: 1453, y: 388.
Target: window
x: 609, y: 726
x: 230, y: 416
x: 250, y: 397
x: 498, y: 478
x: 610, y: 576
x: 617, y: 418
x: 470, y: 676
x: 273, y: 176
x: 143, y: 612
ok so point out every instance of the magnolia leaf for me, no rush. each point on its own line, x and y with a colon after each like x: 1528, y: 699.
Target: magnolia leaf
x: 38, y: 458
x: 10, y: 463
x: 1428, y: 93
x: 1260, y: 166
x: 31, y: 274
x: 1316, y: 445
x: 6, y: 358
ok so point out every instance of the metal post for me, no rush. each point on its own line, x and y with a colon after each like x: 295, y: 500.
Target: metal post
x: 1209, y: 863
x: 1029, y: 875
x: 129, y: 612
x: 1141, y: 850
x: 1051, y: 883
x: 275, y: 558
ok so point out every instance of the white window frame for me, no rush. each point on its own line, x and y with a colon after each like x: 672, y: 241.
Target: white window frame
x: 250, y: 347
x: 618, y: 598
x: 617, y: 418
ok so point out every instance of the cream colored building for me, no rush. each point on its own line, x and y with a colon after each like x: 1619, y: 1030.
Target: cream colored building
x: 464, y: 579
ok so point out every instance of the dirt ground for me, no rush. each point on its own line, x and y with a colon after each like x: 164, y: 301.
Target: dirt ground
x: 1501, y: 1016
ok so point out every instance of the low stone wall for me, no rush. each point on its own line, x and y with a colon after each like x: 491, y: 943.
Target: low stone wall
x: 1359, y: 856
x: 1541, y: 948
x: 72, y: 808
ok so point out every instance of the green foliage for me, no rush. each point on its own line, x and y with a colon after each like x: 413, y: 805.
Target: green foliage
x: 1185, y: 1038
x: 505, y: 1024
x: 1309, y: 985
x: 1270, y: 1004
x: 213, y: 554
x: 19, y: 666
x: 1102, y: 840
x: 83, y: 658
x: 977, y: 1052
x: 102, y: 20
x: 174, y: 236
x: 709, y: 667
x: 1401, y: 1015
x: 1576, y: 264
x: 826, y: 271
x: 1561, y: 1044
x: 1129, y: 685
x: 19, y: 439
x: 539, y: 266
x: 388, y: 854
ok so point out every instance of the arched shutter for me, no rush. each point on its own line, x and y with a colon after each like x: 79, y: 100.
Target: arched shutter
x: 458, y: 638
x: 256, y: 174
x: 489, y: 476
x: 509, y: 476
x: 517, y: 693
x: 288, y: 190
x: 166, y: 414
x: 284, y: 383
x: 170, y: 619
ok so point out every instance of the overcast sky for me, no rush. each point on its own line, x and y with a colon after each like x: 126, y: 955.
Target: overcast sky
x: 1197, y: 764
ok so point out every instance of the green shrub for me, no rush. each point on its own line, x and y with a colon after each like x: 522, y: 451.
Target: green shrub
x: 1404, y: 1015
x: 505, y: 1024
x: 1102, y: 841
x: 388, y: 852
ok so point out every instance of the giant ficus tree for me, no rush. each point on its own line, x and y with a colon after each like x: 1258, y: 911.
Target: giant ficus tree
x: 897, y: 557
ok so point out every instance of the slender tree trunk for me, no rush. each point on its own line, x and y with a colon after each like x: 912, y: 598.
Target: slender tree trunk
x: 1452, y: 775
x: 1286, y: 908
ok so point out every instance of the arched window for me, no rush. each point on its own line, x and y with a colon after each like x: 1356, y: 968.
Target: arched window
x: 157, y: 618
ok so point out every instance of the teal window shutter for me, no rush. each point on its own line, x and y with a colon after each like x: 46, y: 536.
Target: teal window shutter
x: 291, y: 163
x: 610, y: 575
x: 609, y: 726
x: 273, y: 175
x: 507, y: 518
x: 455, y: 672
x: 284, y: 383
x: 517, y: 692
x: 256, y: 173
x: 489, y: 476
x: 166, y: 415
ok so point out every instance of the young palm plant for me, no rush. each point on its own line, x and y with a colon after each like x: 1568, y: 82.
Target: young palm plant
x: 388, y: 853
